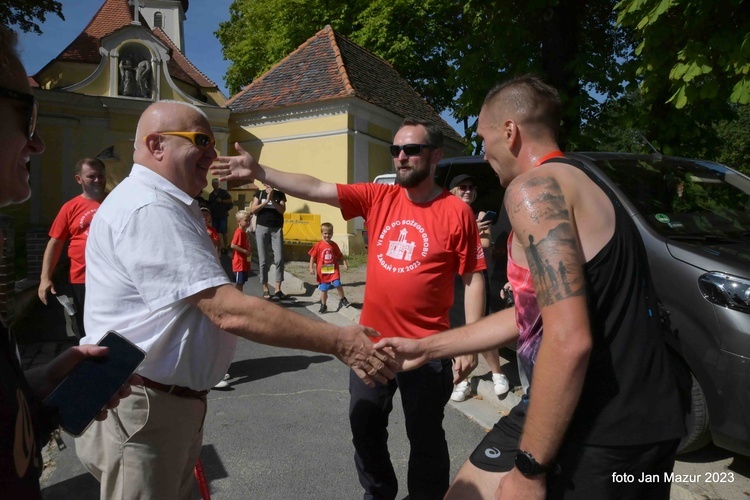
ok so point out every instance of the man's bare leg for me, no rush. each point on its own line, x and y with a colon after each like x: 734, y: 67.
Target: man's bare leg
x: 472, y: 482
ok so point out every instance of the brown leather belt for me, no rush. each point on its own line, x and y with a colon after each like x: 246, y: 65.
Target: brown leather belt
x: 175, y: 390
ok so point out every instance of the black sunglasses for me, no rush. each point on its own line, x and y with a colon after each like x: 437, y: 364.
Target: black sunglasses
x: 408, y: 149
x: 32, y: 108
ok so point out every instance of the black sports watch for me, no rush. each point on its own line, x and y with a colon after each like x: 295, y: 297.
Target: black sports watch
x: 528, y: 466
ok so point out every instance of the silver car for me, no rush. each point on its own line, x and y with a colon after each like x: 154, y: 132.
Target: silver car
x: 694, y: 218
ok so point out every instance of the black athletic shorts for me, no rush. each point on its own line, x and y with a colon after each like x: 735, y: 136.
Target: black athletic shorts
x: 584, y: 471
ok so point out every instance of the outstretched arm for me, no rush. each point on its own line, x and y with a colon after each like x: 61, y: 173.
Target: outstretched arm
x: 241, y: 169
x: 260, y: 321
x: 491, y: 332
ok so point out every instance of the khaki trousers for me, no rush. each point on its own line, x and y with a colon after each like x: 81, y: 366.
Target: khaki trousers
x: 146, y: 448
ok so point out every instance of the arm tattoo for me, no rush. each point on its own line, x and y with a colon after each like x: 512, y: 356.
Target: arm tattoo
x: 554, y: 260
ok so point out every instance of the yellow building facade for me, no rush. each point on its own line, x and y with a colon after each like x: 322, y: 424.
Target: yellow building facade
x: 334, y: 120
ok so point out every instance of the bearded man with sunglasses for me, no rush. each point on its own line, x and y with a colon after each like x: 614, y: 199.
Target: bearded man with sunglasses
x: 176, y: 302
x: 424, y: 237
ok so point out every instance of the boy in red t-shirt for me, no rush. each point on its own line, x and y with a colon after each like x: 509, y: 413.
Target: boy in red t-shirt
x: 241, y: 252
x: 213, y: 233
x: 327, y: 255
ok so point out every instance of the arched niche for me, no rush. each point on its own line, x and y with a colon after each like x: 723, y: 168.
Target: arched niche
x: 135, y: 71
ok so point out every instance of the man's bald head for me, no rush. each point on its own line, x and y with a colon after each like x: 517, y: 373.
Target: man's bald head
x: 164, y: 144
x: 164, y: 116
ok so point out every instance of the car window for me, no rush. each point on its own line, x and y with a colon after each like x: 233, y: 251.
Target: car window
x: 385, y: 179
x: 685, y: 199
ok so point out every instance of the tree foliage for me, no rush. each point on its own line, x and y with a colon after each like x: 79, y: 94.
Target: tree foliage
x: 734, y: 137
x: 692, y: 60
x: 25, y: 13
x: 666, y: 71
x: 698, y: 49
x: 259, y: 34
x: 451, y: 51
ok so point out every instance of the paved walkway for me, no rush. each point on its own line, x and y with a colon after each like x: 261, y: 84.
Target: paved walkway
x: 484, y: 407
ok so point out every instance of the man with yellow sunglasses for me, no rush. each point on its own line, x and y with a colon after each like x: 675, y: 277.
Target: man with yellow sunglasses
x: 175, y: 301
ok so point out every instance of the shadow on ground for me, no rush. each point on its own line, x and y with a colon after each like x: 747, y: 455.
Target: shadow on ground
x: 249, y: 370
x: 84, y: 486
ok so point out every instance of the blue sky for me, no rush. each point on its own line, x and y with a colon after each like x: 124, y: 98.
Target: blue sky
x: 201, y: 46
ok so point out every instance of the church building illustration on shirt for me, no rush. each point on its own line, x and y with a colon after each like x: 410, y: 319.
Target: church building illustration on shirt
x: 401, y: 249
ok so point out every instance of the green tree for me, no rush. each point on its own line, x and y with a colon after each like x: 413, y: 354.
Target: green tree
x: 259, y: 34
x: 734, y: 137
x: 619, y: 126
x: 451, y: 51
x: 25, y: 13
x: 693, y: 59
x: 668, y: 70
x: 700, y: 47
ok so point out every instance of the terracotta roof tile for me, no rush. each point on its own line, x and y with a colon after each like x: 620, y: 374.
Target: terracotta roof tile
x: 329, y: 66
x: 314, y: 72
x: 114, y: 15
x: 111, y: 16
x: 180, y: 66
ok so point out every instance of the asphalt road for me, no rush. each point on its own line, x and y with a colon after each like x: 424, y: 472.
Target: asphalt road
x: 279, y: 431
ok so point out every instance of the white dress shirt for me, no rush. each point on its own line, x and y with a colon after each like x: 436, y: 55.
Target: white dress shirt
x: 147, y: 251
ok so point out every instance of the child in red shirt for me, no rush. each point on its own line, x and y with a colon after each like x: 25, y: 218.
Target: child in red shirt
x: 327, y: 255
x: 213, y: 233
x: 241, y: 252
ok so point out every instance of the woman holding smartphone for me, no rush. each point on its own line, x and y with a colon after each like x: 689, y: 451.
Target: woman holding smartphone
x: 25, y: 423
x: 465, y: 187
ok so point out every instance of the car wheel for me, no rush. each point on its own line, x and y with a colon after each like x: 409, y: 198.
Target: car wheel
x: 696, y: 422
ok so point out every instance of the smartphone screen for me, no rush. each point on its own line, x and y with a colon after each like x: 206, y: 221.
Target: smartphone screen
x: 92, y: 383
x: 489, y: 216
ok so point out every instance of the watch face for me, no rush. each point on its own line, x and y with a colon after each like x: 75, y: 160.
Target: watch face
x: 526, y: 464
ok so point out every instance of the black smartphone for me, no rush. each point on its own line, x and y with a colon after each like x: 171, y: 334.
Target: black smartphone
x: 489, y: 216
x: 86, y: 390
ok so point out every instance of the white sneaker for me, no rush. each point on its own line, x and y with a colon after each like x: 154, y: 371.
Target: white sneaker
x: 462, y: 391
x: 500, y: 382
x: 222, y: 384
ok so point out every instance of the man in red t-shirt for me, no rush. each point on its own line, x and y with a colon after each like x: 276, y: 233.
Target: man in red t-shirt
x: 72, y: 223
x: 421, y: 237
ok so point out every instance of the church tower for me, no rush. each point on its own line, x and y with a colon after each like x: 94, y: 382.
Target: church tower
x: 168, y: 15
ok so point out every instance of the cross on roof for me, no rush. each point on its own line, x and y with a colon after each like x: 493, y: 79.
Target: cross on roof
x: 136, y: 7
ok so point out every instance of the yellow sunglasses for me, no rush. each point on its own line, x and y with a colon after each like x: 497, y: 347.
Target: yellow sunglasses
x: 202, y: 141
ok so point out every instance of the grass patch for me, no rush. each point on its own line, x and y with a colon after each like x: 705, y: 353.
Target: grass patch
x: 356, y: 260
